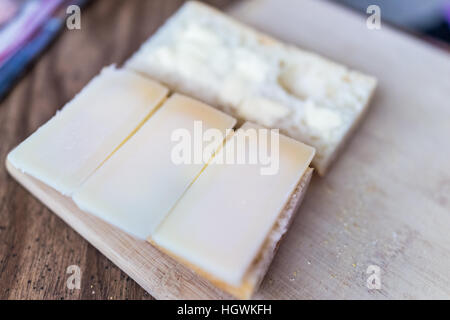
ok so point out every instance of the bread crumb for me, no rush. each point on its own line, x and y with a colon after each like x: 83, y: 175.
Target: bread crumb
x: 293, y: 276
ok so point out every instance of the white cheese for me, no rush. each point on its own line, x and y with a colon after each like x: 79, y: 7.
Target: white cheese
x: 224, y: 63
x: 140, y: 183
x: 70, y: 146
x: 221, y: 222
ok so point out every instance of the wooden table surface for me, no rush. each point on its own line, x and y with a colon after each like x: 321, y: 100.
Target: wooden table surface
x: 36, y: 247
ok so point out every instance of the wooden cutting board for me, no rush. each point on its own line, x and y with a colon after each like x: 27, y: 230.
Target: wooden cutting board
x: 386, y: 200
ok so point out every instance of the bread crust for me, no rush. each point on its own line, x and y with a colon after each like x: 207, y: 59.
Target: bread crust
x: 323, y: 166
x: 257, y: 270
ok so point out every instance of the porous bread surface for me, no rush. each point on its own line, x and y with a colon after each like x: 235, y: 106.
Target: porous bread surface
x: 204, y: 53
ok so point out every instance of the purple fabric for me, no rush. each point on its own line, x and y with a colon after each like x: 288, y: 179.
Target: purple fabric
x: 29, y: 28
x: 447, y: 12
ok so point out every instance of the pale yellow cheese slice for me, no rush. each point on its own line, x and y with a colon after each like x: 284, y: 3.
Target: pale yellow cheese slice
x: 70, y: 146
x: 221, y: 222
x: 204, y: 53
x: 141, y: 182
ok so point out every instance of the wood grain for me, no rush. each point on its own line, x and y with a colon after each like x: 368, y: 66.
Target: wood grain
x: 156, y: 272
x: 385, y: 202
x: 36, y: 246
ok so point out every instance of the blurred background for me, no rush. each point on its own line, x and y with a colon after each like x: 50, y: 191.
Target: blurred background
x: 398, y: 222
x: 427, y: 17
x: 28, y: 27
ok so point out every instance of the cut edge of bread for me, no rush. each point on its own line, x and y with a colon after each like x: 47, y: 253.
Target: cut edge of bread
x: 260, y: 265
x: 322, y: 166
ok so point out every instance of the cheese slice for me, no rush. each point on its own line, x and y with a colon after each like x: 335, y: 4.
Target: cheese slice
x: 210, y: 56
x: 70, y: 146
x: 141, y: 182
x: 222, y: 221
